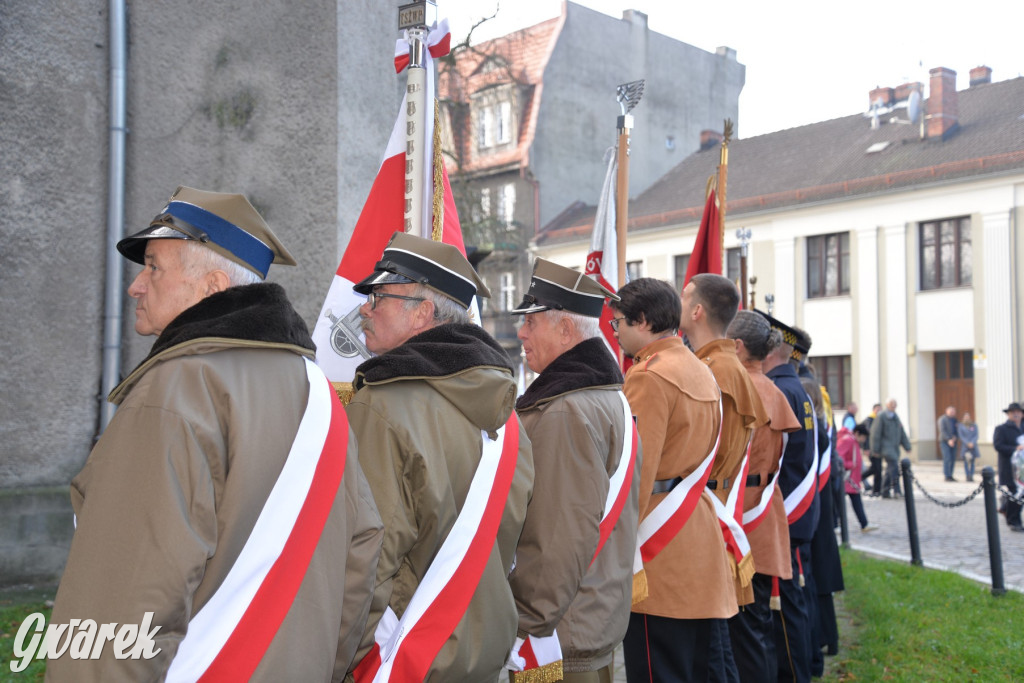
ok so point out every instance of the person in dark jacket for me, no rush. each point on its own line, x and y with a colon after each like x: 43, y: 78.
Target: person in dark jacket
x: 1007, y: 440
x: 887, y: 436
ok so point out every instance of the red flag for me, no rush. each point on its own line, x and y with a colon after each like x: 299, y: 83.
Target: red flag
x: 707, y: 251
x: 337, y: 334
x: 602, y: 260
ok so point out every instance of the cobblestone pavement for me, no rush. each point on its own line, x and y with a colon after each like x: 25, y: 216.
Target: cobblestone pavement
x: 953, y: 539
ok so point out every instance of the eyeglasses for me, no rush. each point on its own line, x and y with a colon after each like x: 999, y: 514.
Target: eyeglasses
x: 373, y: 297
x: 614, y: 322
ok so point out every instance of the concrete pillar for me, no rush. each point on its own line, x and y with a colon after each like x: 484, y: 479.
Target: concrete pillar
x: 866, y: 369
x: 995, y: 348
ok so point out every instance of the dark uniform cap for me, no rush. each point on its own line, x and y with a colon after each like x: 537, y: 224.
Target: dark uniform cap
x: 439, y: 266
x: 226, y: 223
x: 557, y: 287
x: 1013, y: 406
x: 789, y: 336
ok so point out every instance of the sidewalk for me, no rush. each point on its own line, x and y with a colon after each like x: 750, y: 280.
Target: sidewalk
x: 952, y: 539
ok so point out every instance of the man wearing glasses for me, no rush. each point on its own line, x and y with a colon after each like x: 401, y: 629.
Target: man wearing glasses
x: 678, y: 412
x: 449, y: 467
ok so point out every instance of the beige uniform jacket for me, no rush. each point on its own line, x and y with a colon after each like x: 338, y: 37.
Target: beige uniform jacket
x: 742, y: 412
x: 770, y: 540
x: 418, y: 413
x: 169, y: 495
x: 676, y: 404
x: 574, y: 416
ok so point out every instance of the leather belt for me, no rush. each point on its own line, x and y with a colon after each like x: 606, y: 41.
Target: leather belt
x: 755, y: 479
x: 713, y: 484
x: 665, y: 485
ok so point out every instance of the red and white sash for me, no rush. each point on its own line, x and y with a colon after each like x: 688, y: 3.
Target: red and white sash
x: 667, y: 519
x: 753, y: 517
x: 536, y: 652
x: 800, y: 498
x: 825, y: 460
x: 621, y: 481
x: 730, y: 513
x: 228, y: 637
x: 405, y: 648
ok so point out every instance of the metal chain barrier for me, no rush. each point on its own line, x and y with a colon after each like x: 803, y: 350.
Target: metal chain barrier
x: 943, y: 503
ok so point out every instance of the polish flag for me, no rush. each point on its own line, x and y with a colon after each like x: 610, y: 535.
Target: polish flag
x: 602, y: 260
x: 340, y: 345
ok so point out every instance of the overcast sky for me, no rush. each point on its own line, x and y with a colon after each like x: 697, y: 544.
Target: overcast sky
x: 807, y: 60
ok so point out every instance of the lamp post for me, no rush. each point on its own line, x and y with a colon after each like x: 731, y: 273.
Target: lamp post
x: 743, y: 235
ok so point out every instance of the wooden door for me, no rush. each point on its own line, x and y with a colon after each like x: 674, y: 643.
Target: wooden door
x: 954, y: 386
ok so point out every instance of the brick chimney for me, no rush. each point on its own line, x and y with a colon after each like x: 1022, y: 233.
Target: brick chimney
x: 943, y: 111
x: 710, y: 138
x: 980, y: 75
x: 881, y: 96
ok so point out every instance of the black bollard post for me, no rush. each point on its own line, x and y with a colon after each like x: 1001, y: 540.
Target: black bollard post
x: 908, y: 498
x: 844, y: 524
x: 995, y: 551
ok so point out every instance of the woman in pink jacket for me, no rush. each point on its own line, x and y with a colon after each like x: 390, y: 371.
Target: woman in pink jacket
x: 848, y: 445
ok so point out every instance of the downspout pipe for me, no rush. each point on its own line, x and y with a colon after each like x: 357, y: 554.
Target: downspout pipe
x: 113, y: 292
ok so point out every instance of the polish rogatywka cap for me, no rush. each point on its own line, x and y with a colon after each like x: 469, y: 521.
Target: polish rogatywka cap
x: 226, y: 223
x: 557, y: 287
x: 437, y: 265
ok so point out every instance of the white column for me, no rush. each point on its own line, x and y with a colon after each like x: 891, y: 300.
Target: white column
x: 866, y: 307
x: 997, y: 345
x: 893, y: 322
x: 786, y: 274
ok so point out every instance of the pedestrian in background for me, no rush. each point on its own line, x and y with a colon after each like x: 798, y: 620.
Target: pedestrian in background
x: 874, y: 459
x: 967, y: 432
x: 1007, y: 440
x: 946, y: 429
x: 887, y: 436
x: 849, y: 446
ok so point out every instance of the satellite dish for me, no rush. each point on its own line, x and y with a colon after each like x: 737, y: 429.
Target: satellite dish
x: 914, y: 106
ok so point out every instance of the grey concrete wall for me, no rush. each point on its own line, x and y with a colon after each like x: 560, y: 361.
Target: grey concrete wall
x: 687, y: 90
x: 290, y: 103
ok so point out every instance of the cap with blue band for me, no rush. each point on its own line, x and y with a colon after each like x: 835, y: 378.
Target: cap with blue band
x: 226, y: 223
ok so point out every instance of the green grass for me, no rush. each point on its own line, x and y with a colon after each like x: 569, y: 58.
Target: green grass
x: 13, y: 610
x: 905, y: 623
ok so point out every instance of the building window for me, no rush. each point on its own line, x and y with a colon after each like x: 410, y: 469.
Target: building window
x: 485, y: 203
x: 634, y: 270
x: 504, y: 121
x: 681, y: 262
x: 834, y: 374
x: 508, y: 291
x: 945, y: 253
x: 828, y: 265
x: 485, y: 128
x: 507, y: 205
x: 954, y: 365
x: 732, y: 264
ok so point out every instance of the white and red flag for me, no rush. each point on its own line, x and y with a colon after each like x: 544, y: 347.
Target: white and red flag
x: 339, y: 341
x: 602, y: 260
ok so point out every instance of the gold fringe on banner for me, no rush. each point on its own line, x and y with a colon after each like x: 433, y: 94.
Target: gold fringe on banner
x: 640, y: 586
x: 745, y: 569
x: 437, y: 232
x: 549, y: 673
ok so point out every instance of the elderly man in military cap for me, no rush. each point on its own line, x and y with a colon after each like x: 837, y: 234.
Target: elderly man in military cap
x: 224, y: 507
x: 798, y: 481
x: 573, y: 575
x: 449, y: 466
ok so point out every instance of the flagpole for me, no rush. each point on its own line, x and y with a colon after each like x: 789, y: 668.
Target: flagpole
x: 723, y: 176
x: 628, y: 95
x: 415, y: 20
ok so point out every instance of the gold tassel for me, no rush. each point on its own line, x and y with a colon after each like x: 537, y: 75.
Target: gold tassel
x: 549, y: 673
x: 775, y: 603
x: 639, y: 586
x: 345, y: 391
x: 802, y: 582
x: 745, y: 570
